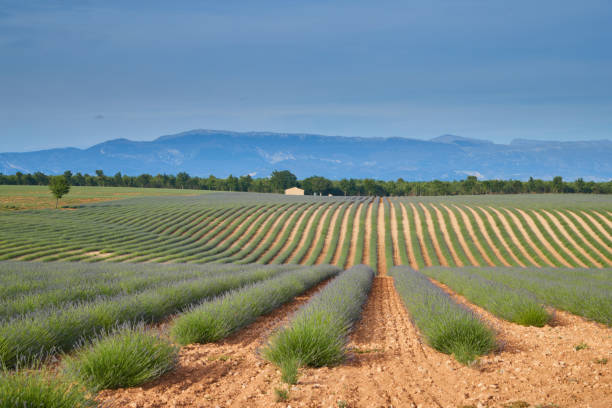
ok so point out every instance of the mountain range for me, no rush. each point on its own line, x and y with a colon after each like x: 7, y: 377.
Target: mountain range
x: 205, y: 152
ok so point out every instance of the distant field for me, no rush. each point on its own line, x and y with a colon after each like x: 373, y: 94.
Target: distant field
x: 39, y: 197
x: 529, y: 230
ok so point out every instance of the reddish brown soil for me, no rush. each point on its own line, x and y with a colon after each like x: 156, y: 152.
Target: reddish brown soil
x: 394, y: 234
x: 532, y: 244
x: 487, y: 237
x: 292, y: 234
x: 500, y: 237
x: 250, y: 220
x: 318, y: 235
x: 420, y: 235
x: 390, y: 366
x: 277, y: 220
x: 555, y: 238
x: 343, y: 235
x: 329, y: 235
x: 534, y: 228
x: 381, y: 258
x: 597, y: 225
x: 603, y: 218
x: 589, y: 231
x: 269, y: 213
x: 368, y: 233
x: 513, y: 236
x: 473, y: 237
x: 432, y: 234
x: 408, y: 237
x: 446, y: 236
x: 354, y: 235
x: 571, y: 240
x: 305, y: 233
x: 462, y: 241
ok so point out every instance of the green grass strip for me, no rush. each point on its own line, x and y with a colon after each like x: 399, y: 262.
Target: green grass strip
x: 218, y: 318
x: 446, y: 326
x: 510, y: 304
x: 318, y: 332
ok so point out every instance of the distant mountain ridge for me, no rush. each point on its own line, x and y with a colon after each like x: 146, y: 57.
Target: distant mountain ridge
x: 218, y: 152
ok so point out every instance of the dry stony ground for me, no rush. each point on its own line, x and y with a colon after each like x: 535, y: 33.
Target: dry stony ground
x: 390, y: 366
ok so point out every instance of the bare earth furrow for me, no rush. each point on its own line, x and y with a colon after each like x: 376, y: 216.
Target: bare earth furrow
x: 342, y: 237
x: 421, y: 235
x: 269, y: 233
x: 460, y: 237
x: 380, y: 241
x: 603, y: 218
x: 446, y: 236
x: 432, y: 234
x: 571, y: 240
x: 213, y: 374
x: 555, y: 238
x: 394, y: 235
x: 514, y: 238
x: 592, y: 234
x: 408, y: 237
x: 318, y: 235
x: 485, y: 234
x: 329, y: 236
x: 529, y: 241
x: 500, y: 237
x: 305, y: 233
x: 233, y: 236
x: 475, y: 240
x: 292, y: 234
x: 368, y: 232
x: 354, y: 236
x: 597, y: 225
x: 534, y: 228
x: 268, y: 214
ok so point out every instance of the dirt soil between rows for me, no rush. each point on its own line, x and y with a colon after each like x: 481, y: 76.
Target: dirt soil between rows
x: 390, y: 366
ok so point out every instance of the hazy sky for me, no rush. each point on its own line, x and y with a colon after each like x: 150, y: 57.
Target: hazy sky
x: 75, y: 73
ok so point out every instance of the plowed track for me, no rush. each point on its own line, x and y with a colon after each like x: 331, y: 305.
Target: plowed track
x: 380, y: 240
x: 354, y: 235
x: 408, y: 237
x: 394, y: 235
x: 432, y: 234
x: 472, y: 233
x: 390, y: 365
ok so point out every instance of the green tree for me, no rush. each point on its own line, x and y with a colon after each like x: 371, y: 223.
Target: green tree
x: 59, y: 187
x: 182, y: 179
x: 101, y: 177
x: 281, y: 180
x: 317, y: 184
x: 68, y: 175
x: 557, y: 185
x: 118, y: 179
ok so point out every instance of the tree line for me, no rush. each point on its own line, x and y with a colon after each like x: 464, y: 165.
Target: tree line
x: 280, y: 180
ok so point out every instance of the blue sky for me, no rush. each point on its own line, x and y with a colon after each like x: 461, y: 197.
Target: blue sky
x: 75, y: 73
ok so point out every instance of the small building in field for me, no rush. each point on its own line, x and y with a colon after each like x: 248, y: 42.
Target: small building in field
x: 294, y: 191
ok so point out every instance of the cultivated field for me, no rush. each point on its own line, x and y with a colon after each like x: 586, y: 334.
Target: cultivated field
x: 531, y: 230
x: 240, y: 299
x: 14, y: 198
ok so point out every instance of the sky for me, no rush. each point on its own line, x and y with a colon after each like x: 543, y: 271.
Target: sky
x: 77, y: 73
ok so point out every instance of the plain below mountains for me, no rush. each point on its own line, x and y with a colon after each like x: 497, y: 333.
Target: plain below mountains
x: 205, y: 152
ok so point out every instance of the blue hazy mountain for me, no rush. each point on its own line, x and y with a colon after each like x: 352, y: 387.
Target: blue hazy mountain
x: 205, y: 152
